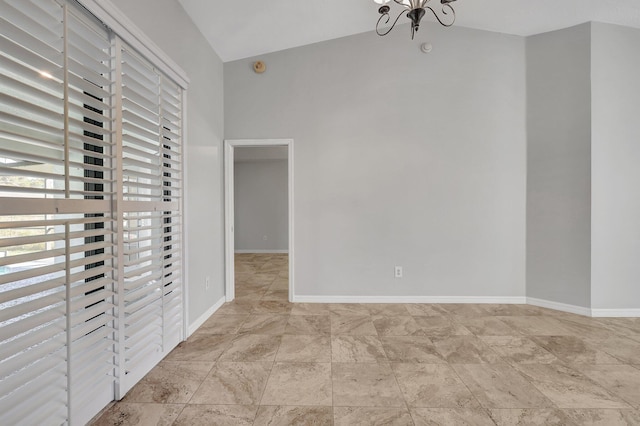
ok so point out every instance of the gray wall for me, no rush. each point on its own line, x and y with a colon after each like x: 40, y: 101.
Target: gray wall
x: 616, y: 167
x: 559, y: 166
x: 261, y: 205
x: 168, y: 25
x: 401, y: 158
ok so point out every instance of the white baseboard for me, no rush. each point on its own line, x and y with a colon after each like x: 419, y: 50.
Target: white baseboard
x: 563, y: 307
x: 204, y: 317
x: 615, y: 313
x: 410, y: 299
x: 261, y: 251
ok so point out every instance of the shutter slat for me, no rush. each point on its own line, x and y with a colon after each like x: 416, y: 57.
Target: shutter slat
x: 151, y: 126
x: 48, y: 392
x: 31, y: 322
x: 83, y: 71
x: 33, y: 354
x: 33, y: 339
x: 32, y: 305
x: 129, y: 253
x: 25, y: 40
x: 132, y: 139
x: 78, y: 86
x: 148, y: 82
x: 52, y: 66
x: 35, y: 370
x: 155, y: 179
x: 24, y: 107
x: 51, y: 19
x: 101, y: 338
x: 90, y: 286
x: 132, y: 128
x: 31, y: 273
x: 138, y: 318
x: 142, y: 297
x: 30, y: 257
x: 130, y: 95
x: 86, y: 328
x: 92, y: 299
x: 93, y: 47
x: 150, y: 333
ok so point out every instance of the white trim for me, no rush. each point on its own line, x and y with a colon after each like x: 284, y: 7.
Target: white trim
x: 113, y: 17
x: 261, y: 251
x: 291, y: 181
x: 229, y: 146
x: 615, y: 313
x: 204, y: 317
x: 229, y: 223
x: 411, y: 299
x: 121, y: 387
x: 185, y: 222
x: 563, y: 307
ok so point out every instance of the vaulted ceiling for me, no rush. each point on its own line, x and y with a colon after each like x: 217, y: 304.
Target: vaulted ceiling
x: 240, y: 29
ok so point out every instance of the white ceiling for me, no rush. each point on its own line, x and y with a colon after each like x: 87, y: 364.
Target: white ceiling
x: 240, y: 29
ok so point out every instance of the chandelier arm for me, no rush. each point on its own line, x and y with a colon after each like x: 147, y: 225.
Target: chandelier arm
x: 386, y: 14
x: 444, y: 11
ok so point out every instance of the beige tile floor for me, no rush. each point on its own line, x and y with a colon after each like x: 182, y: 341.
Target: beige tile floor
x: 264, y: 361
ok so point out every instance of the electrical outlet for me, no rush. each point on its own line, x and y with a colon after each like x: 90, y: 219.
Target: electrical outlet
x: 207, y: 283
x: 398, y: 272
x: 264, y: 238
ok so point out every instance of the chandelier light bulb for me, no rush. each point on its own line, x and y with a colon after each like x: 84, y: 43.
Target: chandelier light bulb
x: 381, y: 1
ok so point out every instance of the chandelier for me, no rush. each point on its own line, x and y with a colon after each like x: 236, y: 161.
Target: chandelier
x: 415, y: 11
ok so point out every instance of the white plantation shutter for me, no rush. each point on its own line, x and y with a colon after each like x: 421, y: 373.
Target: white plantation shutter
x: 91, y: 290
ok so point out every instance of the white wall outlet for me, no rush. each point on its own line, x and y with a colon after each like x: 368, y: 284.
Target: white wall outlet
x: 207, y: 283
x: 398, y: 272
x: 264, y: 238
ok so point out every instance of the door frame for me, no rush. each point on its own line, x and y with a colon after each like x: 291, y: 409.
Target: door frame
x: 229, y: 200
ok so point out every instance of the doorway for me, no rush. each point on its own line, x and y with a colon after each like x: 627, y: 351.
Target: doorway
x: 232, y: 149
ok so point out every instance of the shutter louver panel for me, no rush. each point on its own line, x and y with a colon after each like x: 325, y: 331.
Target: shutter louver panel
x: 32, y: 102
x: 140, y: 127
x: 143, y: 287
x: 92, y: 309
x: 171, y: 100
x: 90, y: 119
x: 41, y: 255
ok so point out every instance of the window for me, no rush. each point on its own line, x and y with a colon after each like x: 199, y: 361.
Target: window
x: 90, y: 214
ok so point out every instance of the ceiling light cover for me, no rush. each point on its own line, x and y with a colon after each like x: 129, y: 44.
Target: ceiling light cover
x: 415, y: 11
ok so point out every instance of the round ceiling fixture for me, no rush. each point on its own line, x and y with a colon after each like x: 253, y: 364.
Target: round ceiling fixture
x: 259, y: 67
